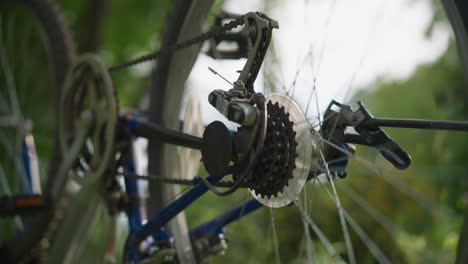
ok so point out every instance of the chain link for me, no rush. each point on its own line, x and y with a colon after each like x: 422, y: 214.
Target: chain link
x: 171, y: 49
x: 41, y: 249
x: 179, y: 181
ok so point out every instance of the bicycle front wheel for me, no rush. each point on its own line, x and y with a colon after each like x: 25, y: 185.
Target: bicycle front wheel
x: 36, y: 51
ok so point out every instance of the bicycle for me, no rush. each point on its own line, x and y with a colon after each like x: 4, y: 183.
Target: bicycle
x: 106, y: 156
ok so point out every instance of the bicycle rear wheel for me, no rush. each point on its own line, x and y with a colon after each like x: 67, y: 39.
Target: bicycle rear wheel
x: 36, y: 51
x: 456, y: 12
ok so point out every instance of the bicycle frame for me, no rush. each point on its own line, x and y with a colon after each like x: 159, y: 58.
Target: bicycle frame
x: 151, y: 231
x: 142, y: 229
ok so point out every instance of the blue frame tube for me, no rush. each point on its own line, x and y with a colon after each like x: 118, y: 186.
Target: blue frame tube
x: 170, y: 211
x: 212, y: 226
x: 27, y: 177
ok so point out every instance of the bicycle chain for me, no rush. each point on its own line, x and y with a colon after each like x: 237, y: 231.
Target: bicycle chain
x: 40, y: 250
x: 179, y: 181
x: 216, y: 31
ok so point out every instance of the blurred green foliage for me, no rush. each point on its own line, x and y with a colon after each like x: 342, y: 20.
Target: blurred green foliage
x: 119, y: 30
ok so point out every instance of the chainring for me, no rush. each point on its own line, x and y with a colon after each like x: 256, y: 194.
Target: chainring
x: 88, y: 87
x: 286, y: 158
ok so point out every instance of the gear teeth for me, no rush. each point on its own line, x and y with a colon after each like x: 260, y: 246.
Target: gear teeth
x: 274, y: 170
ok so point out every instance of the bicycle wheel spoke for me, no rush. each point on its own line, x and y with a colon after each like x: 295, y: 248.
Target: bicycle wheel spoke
x: 314, y: 94
x: 431, y: 206
x: 378, y: 254
x: 272, y: 64
x: 325, y: 37
x: 308, y: 245
x: 372, y: 32
x: 275, y: 237
x: 328, y: 246
x: 384, y: 221
x: 375, y: 250
x: 344, y: 227
x: 23, y: 80
x: 309, y: 250
x: 9, y: 79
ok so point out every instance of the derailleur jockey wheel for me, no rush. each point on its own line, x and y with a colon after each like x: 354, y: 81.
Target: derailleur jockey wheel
x: 289, y: 154
x: 88, y: 88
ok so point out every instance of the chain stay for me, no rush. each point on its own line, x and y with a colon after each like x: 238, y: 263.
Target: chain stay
x: 179, y: 181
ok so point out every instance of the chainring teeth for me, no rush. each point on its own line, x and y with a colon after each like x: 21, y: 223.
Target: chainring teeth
x: 88, y: 87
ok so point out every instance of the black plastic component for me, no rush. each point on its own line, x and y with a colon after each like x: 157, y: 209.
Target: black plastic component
x: 336, y: 123
x: 216, y: 148
x: 235, y: 114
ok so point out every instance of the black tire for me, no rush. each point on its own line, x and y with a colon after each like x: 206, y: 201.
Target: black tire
x: 457, y: 13
x: 60, y: 52
x: 184, y: 21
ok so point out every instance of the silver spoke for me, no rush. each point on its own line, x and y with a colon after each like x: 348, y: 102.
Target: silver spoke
x: 375, y: 25
x: 9, y: 79
x: 375, y: 250
x: 430, y: 205
x: 308, y: 245
x: 325, y: 38
x: 378, y: 254
x: 384, y: 221
x: 308, y: 238
x: 275, y: 237
x: 328, y: 246
x: 344, y: 227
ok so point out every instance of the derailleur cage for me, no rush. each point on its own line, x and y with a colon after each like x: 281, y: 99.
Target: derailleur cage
x: 240, y: 104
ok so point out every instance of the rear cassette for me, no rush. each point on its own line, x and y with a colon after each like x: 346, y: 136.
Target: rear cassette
x: 286, y: 159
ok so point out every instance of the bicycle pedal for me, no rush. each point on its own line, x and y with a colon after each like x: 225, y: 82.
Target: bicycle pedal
x: 21, y: 205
